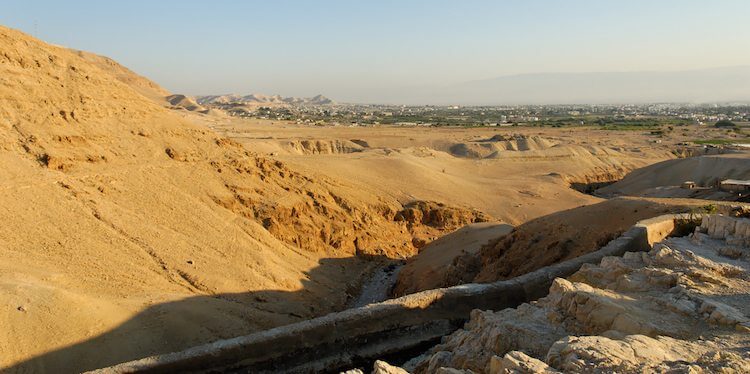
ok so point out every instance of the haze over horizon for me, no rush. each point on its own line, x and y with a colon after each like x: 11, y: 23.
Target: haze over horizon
x: 415, y: 52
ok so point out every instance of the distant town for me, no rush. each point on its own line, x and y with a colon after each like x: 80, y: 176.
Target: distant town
x: 640, y: 116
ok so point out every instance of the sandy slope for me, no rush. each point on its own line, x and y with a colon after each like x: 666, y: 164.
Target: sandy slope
x: 512, y: 183
x: 427, y: 270
x: 128, y: 231
x: 140, y: 84
x: 537, y: 243
x: 705, y: 171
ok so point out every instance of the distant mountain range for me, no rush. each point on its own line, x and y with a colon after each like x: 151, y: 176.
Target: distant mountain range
x: 728, y: 84
x: 707, y: 85
x: 261, y: 99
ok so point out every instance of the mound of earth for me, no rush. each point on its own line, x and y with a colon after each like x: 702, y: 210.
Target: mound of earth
x: 682, y: 307
x: 540, y: 242
x: 323, y: 147
x: 134, y: 232
x: 520, y: 142
x: 183, y: 102
x: 705, y: 171
x: 500, y: 143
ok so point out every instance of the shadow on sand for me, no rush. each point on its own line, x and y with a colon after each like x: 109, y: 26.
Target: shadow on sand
x: 178, y: 325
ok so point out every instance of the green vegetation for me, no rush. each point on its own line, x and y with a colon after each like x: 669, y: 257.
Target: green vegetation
x: 715, y: 141
x: 709, y: 209
x: 629, y: 127
x: 647, y: 118
x: 725, y: 123
x: 687, y: 224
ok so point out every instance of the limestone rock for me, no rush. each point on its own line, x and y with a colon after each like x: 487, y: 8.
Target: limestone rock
x: 382, y: 367
x: 516, y: 362
x: 631, y: 354
x: 452, y: 371
x: 682, y: 307
x: 353, y: 371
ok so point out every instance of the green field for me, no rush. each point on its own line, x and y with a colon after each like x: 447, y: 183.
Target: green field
x: 716, y: 141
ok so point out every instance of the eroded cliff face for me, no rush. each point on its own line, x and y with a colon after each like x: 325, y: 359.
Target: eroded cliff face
x: 684, y: 307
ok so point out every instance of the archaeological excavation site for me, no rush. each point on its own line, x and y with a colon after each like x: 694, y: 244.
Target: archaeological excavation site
x: 591, y: 220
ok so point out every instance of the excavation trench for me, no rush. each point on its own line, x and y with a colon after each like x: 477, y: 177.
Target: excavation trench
x: 589, y: 184
x: 590, y: 187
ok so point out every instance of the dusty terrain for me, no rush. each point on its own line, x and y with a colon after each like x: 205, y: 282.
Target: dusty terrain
x: 135, y: 225
x: 513, y: 174
x: 130, y: 231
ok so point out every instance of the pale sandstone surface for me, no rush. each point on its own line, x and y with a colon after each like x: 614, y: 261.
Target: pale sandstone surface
x: 682, y: 307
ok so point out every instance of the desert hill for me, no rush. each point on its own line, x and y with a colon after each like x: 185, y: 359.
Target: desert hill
x: 142, y: 85
x: 112, y: 205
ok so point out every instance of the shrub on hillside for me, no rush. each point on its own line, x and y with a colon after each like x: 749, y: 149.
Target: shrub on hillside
x: 725, y: 123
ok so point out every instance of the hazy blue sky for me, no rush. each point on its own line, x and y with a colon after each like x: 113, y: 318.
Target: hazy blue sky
x: 356, y: 50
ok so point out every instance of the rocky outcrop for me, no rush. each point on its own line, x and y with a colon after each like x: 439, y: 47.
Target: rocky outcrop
x: 439, y: 215
x: 426, y: 218
x: 382, y: 367
x: 683, y: 306
x: 735, y: 231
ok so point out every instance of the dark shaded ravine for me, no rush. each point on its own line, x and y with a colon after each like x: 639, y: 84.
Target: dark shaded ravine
x: 377, y: 286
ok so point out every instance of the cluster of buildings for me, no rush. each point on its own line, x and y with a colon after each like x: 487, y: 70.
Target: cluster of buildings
x: 432, y: 115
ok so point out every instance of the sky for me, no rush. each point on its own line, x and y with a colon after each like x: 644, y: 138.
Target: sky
x: 360, y: 51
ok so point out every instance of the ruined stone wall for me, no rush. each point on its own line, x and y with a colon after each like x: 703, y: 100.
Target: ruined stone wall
x: 341, y: 339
